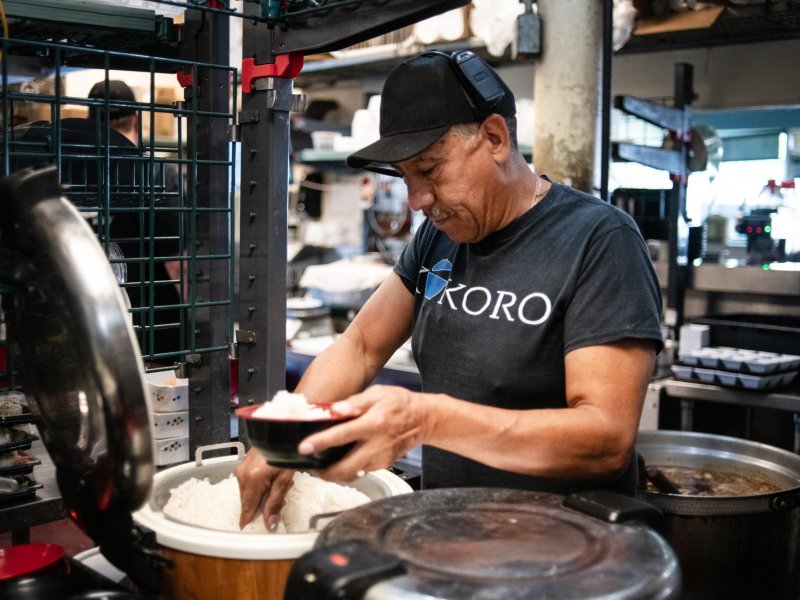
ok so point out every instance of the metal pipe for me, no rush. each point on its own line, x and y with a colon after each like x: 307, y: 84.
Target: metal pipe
x: 605, y: 115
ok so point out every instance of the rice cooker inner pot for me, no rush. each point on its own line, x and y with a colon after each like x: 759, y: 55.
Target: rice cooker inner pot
x: 484, y: 543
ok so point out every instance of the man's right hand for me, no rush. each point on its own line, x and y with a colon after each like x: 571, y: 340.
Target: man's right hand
x: 261, y: 485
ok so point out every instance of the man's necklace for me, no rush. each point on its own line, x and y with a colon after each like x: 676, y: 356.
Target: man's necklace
x: 538, y: 189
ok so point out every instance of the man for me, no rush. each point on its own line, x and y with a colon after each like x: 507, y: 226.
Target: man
x: 533, y: 309
x: 149, y: 285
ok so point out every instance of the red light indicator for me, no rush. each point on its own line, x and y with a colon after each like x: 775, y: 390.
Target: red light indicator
x: 758, y: 229
x: 340, y: 560
x: 749, y: 229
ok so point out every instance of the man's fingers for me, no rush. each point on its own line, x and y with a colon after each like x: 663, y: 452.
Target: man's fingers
x: 254, y: 484
x: 277, y: 496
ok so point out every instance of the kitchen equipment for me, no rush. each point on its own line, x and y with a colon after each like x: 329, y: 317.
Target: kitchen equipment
x: 215, y: 564
x: 744, y: 546
x: 86, y: 385
x: 307, y: 317
x: 80, y: 363
x: 487, y: 543
x: 30, y: 559
x: 277, y: 439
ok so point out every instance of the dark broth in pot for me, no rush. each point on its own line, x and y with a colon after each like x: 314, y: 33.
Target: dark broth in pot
x: 705, y: 481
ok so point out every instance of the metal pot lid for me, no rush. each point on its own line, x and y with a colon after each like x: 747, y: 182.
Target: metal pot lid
x: 511, y: 544
x: 79, y: 360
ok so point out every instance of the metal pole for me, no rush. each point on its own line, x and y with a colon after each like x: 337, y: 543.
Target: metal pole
x: 261, y: 336
x: 209, y: 376
x: 605, y: 119
x: 678, y: 236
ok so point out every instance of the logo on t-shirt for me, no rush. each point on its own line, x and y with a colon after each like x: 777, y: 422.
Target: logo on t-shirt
x: 531, y: 308
x: 437, y: 278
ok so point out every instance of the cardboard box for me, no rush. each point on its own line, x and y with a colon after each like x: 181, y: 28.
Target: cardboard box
x: 164, y: 122
x: 649, y: 24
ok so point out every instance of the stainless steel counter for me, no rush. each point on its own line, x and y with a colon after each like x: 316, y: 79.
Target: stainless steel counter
x: 778, y: 279
x: 781, y: 279
x: 687, y: 392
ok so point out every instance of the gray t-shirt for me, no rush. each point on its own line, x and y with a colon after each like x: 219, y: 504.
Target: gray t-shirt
x: 494, y: 320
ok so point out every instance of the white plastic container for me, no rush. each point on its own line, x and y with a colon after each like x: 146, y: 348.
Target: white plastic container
x: 171, y: 451
x: 170, y: 425
x: 167, y: 393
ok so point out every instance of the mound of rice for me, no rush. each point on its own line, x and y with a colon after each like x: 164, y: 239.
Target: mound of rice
x: 216, y: 505
x: 285, y: 405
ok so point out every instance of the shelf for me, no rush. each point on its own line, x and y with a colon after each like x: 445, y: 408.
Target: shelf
x: 47, y: 25
x: 783, y: 400
x: 769, y: 21
x: 764, y: 22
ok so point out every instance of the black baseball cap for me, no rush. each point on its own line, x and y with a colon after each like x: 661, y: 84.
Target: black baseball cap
x: 424, y: 97
x: 117, y: 91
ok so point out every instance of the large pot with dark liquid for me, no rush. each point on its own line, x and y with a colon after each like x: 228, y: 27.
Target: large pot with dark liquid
x: 735, y: 523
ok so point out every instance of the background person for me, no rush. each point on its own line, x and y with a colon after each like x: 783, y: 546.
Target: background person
x: 533, y: 309
x: 130, y: 229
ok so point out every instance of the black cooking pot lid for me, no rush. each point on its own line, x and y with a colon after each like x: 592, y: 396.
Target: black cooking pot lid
x: 496, y: 543
x: 79, y: 361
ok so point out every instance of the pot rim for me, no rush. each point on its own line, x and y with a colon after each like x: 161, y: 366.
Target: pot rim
x: 695, y: 446
x: 228, y: 544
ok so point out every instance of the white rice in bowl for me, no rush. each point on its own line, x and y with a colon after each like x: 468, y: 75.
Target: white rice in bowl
x: 288, y: 406
x: 217, y: 506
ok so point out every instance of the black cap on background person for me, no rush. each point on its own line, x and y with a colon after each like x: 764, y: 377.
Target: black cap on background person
x: 118, y: 91
x: 422, y: 99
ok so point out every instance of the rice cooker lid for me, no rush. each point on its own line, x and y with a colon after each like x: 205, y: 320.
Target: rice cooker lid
x: 511, y: 544
x: 78, y: 355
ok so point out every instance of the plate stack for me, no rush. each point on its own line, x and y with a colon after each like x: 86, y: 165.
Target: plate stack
x: 694, y: 337
x: 16, y: 461
x: 169, y: 399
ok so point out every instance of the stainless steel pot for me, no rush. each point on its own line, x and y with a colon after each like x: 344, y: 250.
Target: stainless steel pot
x: 730, y: 546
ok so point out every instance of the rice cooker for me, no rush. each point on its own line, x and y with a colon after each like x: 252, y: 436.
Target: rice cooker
x: 490, y: 544
x: 206, y: 563
x: 82, y: 372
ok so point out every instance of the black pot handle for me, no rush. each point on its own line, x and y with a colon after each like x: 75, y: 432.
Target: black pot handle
x: 615, y: 508
x: 785, y: 501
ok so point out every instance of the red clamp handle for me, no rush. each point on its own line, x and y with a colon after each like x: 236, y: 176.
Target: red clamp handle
x: 287, y: 66
x: 185, y: 78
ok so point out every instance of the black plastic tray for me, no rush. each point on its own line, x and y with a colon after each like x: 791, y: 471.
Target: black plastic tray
x: 26, y: 417
x: 19, y: 439
x: 17, y: 462
x: 26, y: 492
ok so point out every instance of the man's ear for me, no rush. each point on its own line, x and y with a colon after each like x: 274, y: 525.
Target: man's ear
x: 494, y: 131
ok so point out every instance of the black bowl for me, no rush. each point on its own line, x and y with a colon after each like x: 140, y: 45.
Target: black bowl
x: 277, y: 439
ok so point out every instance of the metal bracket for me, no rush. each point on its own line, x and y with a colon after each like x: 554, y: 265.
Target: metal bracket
x: 245, y: 337
x: 668, y: 117
x: 528, y: 39
x: 657, y: 158
x: 235, y: 133
x: 190, y: 360
x: 279, y: 97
